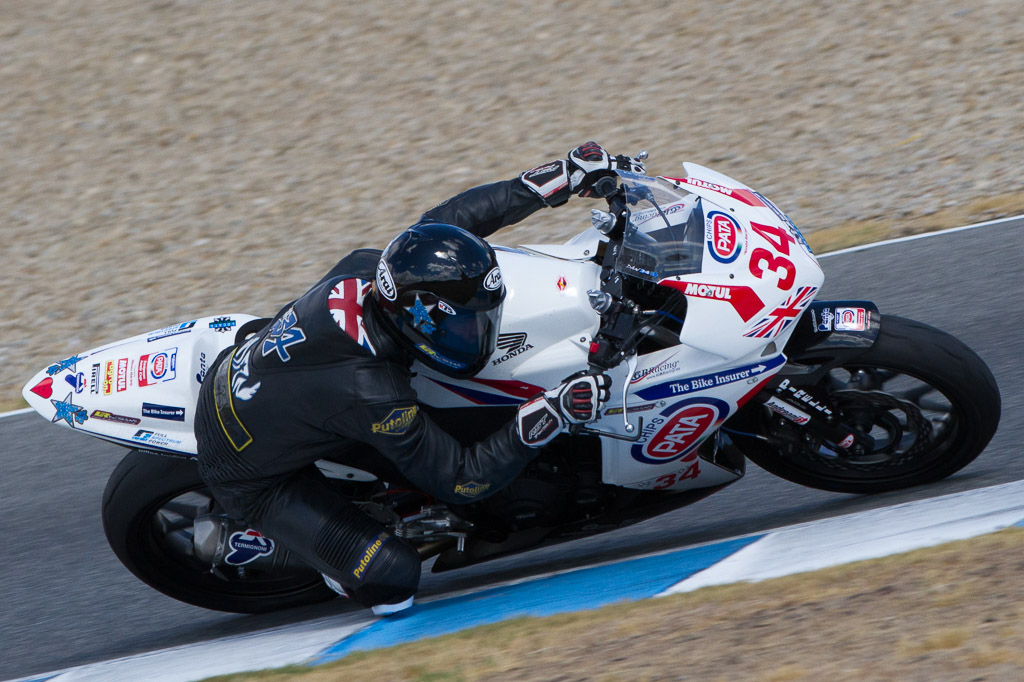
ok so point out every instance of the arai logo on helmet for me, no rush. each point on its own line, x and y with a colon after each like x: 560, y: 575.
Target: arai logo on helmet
x: 673, y: 434
x: 723, y: 236
x: 385, y: 283
x: 493, y: 280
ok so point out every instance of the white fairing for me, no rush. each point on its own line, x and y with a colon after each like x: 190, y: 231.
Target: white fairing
x: 755, y: 277
x: 546, y: 327
x: 750, y: 278
x: 140, y: 391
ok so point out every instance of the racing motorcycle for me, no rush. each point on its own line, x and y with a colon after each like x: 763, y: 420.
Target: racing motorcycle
x: 696, y: 294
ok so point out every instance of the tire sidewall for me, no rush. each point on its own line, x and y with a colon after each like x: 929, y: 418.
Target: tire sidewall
x: 936, y: 358
x: 140, y: 484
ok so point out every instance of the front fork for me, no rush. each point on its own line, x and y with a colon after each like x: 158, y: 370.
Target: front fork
x: 824, y: 337
x: 814, y: 416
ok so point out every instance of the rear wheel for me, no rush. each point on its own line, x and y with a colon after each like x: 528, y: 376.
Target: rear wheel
x: 928, y: 401
x: 150, y: 506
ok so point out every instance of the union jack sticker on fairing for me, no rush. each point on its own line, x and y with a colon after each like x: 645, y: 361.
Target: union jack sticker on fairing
x: 778, y: 320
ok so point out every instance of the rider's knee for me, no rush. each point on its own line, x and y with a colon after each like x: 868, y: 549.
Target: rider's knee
x: 385, y: 573
x: 373, y: 565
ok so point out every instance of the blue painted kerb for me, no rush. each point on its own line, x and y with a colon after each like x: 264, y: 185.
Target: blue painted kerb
x: 587, y: 588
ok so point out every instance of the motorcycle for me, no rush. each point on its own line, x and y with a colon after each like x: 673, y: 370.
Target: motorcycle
x: 696, y: 294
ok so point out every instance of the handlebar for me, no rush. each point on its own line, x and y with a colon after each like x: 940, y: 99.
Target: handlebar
x: 616, y: 336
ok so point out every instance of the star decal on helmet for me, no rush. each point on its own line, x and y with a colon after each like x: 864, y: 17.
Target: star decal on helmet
x: 421, y: 316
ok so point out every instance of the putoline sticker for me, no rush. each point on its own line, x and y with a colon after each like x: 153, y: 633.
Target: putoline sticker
x: 675, y: 433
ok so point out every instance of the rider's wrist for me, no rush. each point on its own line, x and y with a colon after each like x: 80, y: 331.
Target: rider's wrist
x: 549, y: 181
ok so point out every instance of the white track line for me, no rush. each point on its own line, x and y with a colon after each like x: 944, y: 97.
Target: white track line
x: 15, y: 413
x: 852, y: 249
x: 912, y: 237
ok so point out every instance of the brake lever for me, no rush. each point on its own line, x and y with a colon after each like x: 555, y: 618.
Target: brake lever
x: 616, y: 436
x: 630, y: 368
x: 629, y: 428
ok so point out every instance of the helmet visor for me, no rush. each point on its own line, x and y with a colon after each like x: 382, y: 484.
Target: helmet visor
x: 455, y: 340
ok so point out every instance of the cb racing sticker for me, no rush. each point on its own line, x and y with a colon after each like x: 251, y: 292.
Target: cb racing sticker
x: 674, y: 433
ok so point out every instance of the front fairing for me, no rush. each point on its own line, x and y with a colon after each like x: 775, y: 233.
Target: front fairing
x: 746, y: 275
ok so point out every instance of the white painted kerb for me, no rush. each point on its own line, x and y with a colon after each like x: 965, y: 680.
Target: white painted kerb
x: 867, y: 535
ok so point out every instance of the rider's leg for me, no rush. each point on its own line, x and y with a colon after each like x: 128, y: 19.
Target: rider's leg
x: 305, y: 515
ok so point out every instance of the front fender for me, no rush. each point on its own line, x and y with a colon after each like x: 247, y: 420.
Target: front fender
x: 828, y: 334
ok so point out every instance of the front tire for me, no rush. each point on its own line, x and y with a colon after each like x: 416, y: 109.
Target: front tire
x: 929, y: 401
x: 149, y: 505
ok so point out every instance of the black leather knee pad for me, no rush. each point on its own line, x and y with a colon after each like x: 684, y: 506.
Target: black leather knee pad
x: 373, y: 565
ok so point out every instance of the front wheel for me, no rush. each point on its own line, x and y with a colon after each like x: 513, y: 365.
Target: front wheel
x: 150, y: 507
x: 928, y: 401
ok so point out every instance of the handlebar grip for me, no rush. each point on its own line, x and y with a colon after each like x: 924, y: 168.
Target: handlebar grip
x: 605, y: 186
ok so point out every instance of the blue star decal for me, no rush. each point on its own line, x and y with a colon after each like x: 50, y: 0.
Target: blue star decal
x: 69, y: 363
x: 421, y: 316
x: 284, y: 333
x: 69, y: 412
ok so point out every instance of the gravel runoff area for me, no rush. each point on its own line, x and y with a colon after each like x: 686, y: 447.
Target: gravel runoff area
x: 168, y: 159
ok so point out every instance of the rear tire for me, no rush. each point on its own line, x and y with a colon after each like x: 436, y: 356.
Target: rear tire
x: 946, y: 411
x: 148, y: 506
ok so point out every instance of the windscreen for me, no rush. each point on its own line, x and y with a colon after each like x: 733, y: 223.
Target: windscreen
x: 665, y: 234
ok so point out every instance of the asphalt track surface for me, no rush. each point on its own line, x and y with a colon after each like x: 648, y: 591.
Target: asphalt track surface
x: 66, y: 601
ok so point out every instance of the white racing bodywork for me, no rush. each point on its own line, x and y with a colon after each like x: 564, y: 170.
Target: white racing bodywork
x: 140, y: 391
x: 756, y: 276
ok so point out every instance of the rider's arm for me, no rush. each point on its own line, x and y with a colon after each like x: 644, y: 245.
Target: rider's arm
x: 485, y: 209
x: 388, y: 418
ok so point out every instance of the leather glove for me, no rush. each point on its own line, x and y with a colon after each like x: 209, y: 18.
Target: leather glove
x: 577, y: 400
x: 553, y: 182
x: 590, y: 162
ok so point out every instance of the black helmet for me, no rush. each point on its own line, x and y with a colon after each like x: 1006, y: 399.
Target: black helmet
x: 440, y: 294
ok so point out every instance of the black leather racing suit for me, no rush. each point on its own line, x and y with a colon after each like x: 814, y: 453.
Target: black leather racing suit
x: 323, y: 379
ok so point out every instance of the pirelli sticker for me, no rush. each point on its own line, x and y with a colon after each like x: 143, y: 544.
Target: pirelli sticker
x: 397, y: 422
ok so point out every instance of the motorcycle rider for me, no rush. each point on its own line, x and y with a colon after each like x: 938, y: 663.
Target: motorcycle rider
x: 330, y: 375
